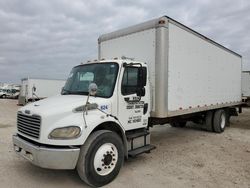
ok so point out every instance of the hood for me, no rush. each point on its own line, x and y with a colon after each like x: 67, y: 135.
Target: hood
x: 63, y: 103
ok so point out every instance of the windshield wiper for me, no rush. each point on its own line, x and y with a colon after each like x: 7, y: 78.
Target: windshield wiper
x: 65, y: 92
x: 79, y: 92
x: 68, y: 92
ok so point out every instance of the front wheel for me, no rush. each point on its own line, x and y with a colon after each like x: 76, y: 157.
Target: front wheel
x: 101, y: 158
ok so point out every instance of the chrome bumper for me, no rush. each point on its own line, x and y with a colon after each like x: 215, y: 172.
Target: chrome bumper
x: 46, y: 157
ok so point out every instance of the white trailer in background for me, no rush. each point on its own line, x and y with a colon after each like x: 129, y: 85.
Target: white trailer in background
x: 39, y: 88
x: 245, y: 87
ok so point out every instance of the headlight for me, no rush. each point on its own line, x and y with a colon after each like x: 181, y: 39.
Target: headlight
x: 90, y: 106
x: 65, y: 133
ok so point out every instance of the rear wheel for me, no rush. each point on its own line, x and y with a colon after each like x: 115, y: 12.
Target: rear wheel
x: 101, y: 158
x: 220, y: 121
x: 209, y: 121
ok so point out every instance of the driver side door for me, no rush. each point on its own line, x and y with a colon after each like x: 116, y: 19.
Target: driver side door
x: 131, y: 112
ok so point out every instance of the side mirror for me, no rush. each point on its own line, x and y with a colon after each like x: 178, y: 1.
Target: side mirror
x: 140, y: 92
x: 142, y: 77
x: 92, y: 89
x: 142, y: 81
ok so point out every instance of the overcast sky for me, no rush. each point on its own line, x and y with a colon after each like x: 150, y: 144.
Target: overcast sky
x: 47, y: 38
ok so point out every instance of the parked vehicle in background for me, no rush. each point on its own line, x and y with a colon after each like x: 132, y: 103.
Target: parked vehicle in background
x: 13, y: 93
x: 33, y: 89
x: 106, y: 108
x: 246, y: 87
x: 3, y: 93
x: 8, y: 90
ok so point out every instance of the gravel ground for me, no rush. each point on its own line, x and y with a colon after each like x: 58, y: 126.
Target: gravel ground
x: 187, y: 157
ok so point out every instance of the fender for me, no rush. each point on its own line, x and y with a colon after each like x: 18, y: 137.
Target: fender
x: 115, y: 127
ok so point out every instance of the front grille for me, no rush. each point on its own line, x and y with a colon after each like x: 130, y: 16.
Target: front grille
x: 29, y: 125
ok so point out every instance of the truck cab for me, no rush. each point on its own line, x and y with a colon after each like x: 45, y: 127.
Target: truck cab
x: 100, y: 118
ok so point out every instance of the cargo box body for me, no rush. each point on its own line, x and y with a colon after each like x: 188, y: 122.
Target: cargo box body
x: 188, y: 72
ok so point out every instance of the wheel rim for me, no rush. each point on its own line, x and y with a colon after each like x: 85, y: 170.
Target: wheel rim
x: 105, y: 159
x: 223, y: 121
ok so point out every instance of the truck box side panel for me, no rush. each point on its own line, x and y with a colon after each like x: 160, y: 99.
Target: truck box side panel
x: 200, y: 73
x: 137, y: 45
x: 246, y: 84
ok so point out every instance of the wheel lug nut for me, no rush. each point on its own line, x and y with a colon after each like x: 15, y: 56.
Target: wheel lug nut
x: 107, y: 152
x: 113, y: 155
x: 113, y: 159
x: 105, y: 167
x: 112, y: 163
x: 109, y: 167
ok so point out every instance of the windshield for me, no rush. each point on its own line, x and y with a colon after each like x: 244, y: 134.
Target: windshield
x: 102, y: 74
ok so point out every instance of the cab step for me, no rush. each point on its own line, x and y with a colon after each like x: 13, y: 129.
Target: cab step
x: 137, y: 134
x: 137, y: 151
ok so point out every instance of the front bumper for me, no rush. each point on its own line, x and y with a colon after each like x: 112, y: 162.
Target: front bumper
x: 46, y: 157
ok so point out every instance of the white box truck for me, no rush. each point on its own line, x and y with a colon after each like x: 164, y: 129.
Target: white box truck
x: 107, y: 106
x: 38, y: 88
x: 246, y: 87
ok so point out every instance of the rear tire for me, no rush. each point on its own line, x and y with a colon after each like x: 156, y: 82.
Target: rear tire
x: 209, y: 121
x: 101, y: 158
x: 220, y: 121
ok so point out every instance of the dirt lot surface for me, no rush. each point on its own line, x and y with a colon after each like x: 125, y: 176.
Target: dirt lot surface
x: 185, y: 157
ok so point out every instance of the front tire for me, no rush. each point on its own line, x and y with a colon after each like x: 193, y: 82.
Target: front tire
x: 101, y: 158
